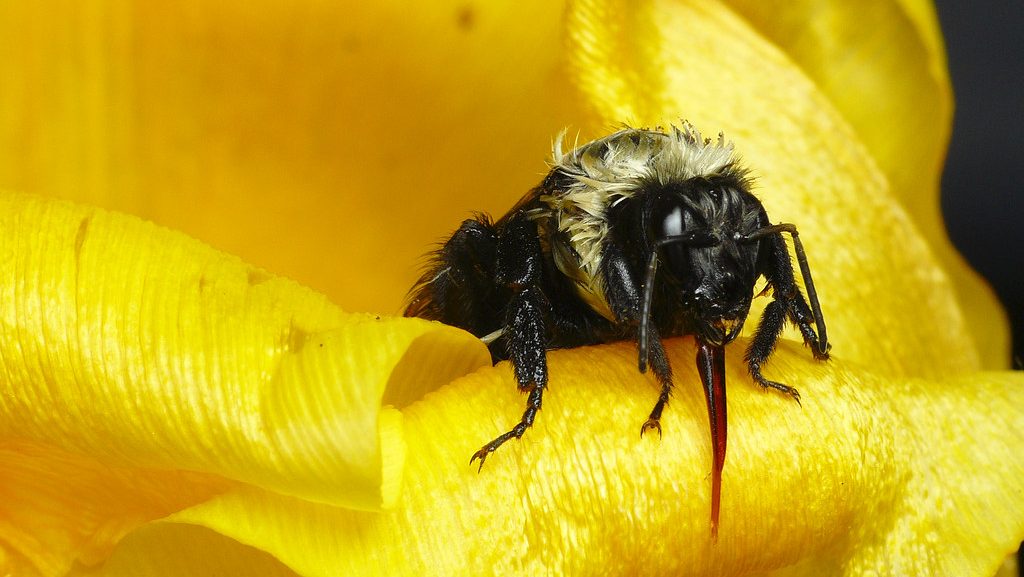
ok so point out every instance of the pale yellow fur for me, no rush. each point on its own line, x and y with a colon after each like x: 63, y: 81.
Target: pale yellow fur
x: 631, y: 159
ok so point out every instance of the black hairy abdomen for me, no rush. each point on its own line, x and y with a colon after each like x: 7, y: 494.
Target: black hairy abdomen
x: 465, y: 286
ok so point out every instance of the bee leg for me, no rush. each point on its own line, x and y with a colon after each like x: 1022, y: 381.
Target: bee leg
x: 625, y: 300
x: 662, y: 370
x: 802, y: 317
x: 518, y: 269
x: 533, y: 405
x: 788, y: 302
x: 763, y: 344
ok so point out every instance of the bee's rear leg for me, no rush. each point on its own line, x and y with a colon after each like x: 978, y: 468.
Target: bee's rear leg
x: 533, y: 404
x: 518, y: 268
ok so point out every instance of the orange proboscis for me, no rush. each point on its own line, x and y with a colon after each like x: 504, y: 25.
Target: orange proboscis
x: 711, y: 366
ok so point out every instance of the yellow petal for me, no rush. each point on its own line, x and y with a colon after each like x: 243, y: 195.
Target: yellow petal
x: 315, y: 139
x: 59, y: 508
x: 135, y: 346
x: 887, y: 299
x: 157, y: 551
x: 884, y: 71
x: 868, y: 476
x: 137, y: 350
x: 883, y: 67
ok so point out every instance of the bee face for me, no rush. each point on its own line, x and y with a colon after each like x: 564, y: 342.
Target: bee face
x: 721, y: 300
x: 714, y: 270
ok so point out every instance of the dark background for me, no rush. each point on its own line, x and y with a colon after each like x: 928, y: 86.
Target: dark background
x: 983, y: 184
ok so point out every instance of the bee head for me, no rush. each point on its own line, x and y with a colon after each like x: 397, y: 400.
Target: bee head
x: 696, y: 232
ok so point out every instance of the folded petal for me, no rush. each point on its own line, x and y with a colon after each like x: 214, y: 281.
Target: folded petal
x: 136, y: 347
x: 868, y: 476
x: 887, y: 298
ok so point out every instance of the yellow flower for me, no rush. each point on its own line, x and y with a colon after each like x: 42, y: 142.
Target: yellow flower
x: 170, y: 410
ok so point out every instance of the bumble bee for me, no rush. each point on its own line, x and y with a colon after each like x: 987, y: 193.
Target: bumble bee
x: 642, y: 234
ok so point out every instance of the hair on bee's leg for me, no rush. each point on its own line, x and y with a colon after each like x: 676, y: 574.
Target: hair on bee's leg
x: 518, y: 268
x: 800, y: 312
x: 763, y: 344
x: 778, y: 269
x: 788, y: 303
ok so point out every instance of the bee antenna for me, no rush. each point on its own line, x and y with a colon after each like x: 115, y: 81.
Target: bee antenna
x: 805, y: 272
x: 697, y: 238
x: 645, y: 308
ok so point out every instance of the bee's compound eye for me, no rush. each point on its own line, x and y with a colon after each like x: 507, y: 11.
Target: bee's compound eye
x: 672, y: 223
x: 667, y: 221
